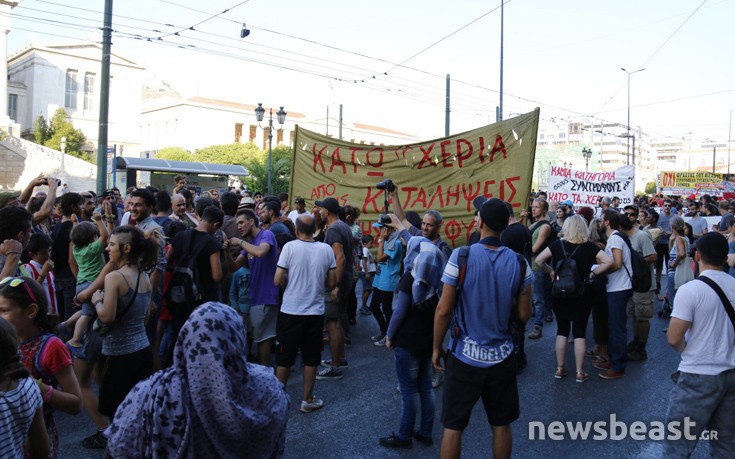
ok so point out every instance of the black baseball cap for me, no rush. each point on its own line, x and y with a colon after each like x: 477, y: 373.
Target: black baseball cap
x: 713, y: 246
x: 493, y: 212
x: 300, y: 201
x: 330, y: 204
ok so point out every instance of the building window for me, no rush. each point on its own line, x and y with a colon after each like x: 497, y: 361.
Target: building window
x: 89, y: 91
x: 70, y: 101
x: 253, y: 132
x: 13, y: 106
x: 238, y: 132
x: 266, y: 133
x: 279, y: 137
x: 291, y: 135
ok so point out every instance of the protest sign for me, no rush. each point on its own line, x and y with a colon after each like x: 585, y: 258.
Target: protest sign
x: 444, y: 174
x: 687, y: 183
x: 586, y: 188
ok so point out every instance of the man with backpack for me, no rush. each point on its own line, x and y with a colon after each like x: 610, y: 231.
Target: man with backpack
x: 619, y: 291
x: 194, y: 260
x: 482, y: 294
x: 640, y: 305
x: 542, y: 234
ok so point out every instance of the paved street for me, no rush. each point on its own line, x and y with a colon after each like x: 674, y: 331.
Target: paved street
x: 365, y: 405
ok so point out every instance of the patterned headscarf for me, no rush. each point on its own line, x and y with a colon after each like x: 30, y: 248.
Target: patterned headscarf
x: 424, y: 261
x: 210, y: 403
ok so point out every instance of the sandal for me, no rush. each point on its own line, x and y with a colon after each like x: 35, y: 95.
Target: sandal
x: 560, y: 372
x: 582, y: 376
x: 590, y: 353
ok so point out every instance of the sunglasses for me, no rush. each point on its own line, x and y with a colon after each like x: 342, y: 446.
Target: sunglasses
x: 631, y: 214
x: 16, y: 281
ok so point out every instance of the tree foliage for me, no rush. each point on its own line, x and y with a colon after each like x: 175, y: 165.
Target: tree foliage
x: 281, y: 173
x: 60, y: 126
x: 175, y: 154
x: 233, y: 153
x: 651, y: 188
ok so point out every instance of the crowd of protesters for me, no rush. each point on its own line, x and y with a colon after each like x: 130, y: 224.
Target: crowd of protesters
x: 168, y: 300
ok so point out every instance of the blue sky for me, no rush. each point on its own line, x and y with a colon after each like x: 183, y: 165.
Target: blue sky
x: 563, y: 56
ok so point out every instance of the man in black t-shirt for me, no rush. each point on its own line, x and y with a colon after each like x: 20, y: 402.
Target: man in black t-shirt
x: 339, y: 237
x: 209, y: 267
x: 65, y: 282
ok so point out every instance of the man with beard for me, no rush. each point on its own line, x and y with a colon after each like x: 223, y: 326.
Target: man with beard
x: 431, y: 226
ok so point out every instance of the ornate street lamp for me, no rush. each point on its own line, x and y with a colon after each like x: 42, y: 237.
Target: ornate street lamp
x: 281, y: 116
x: 587, y: 154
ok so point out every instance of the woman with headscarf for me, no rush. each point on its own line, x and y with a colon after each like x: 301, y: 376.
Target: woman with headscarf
x: 410, y: 334
x: 210, y: 403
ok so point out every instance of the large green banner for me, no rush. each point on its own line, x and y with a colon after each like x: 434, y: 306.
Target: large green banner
x: 443, y: 174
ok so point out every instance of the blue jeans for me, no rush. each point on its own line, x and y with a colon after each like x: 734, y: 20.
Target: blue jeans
x: 66, y: 288
x: 541, y: 297
x: 168, y: 340
x: 671, y: 286
x: 414, y: 379
x: 617, y: 303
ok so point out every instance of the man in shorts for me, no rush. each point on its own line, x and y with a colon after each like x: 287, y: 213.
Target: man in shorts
x: 481, y: 362
x: 310, y: 267
x: 640, y: 305
x: 339, y: 237
x: 261, y: 251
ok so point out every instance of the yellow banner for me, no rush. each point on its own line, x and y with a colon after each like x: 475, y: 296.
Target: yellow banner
x: 443, y: 174
x: 686, y: 183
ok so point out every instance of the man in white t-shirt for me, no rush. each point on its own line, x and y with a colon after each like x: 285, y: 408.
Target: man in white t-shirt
x: 619, y: 291
x: 700, y: 328
x: 300, y: 210
x: 305, y: 267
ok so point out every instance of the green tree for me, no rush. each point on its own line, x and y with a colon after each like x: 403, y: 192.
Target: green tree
x: 60, y: 126
x: 651, y: 188
x: 233, y: 153
x: 258, y: 178
x: 41, y: 131
x: 175, y: 154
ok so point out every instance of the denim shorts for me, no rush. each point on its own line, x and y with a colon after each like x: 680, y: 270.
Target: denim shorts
x: 87, y: 308
x: 366, y: 284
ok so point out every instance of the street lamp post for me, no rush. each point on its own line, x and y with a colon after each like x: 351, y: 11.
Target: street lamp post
x: 281, y: 116
x: 628, y: 142
x: 587, y: 154
x: 729, y: 139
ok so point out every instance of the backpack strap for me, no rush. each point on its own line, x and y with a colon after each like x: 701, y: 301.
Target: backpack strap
x: 37, y: 366
x: 725, y: 301
x: 459, y: 324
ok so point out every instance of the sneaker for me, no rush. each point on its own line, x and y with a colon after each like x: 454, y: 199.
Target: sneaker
x: 328, y: 363
x: 392, y: 441
x: 425, y: 440
x: 365, y: 312
x: 602, y: 364
x: 638, y: 355
x: 377, y: 337
x: 326, y: 374
x: 611, y: 374
x: 582, y: 377
x: 437, y: 378
x: 96, y: 441
x: 380, y: 342
x: 536, y: 333
x: 308, y: 407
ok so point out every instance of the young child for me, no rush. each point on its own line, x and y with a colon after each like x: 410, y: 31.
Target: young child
x: 41, y: 268
x: 23, y: 304
x: 367, y: 272
x: 20, y: 402
x: 88, y: 249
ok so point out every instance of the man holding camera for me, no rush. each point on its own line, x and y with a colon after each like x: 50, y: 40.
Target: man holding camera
x: 430, y: 225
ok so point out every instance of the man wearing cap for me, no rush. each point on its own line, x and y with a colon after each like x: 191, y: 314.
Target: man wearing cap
x: 339, y: 237
x: 703, y: 331
x: 386, y: 279
x: 640, y: 305
x: 481, y: 362
x: 568, y: 207
x: 300, y: 210
x: 9, y: 199
x: 247, y: 203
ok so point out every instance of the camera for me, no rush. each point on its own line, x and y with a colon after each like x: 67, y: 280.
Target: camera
x: 58, y: 181
x: 386, y: 185
x: 384, y: 219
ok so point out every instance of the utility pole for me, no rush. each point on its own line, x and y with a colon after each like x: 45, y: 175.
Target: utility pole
x: 104, y: 100
x: 502, y: 17
x: 446, y: 113
x: 340, y: 121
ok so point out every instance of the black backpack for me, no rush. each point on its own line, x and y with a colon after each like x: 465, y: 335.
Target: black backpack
x: 183, y: 294
x: 641, y: 278
x: 568, y: 284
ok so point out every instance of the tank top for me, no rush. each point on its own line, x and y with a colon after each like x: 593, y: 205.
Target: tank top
x: 128, y: 335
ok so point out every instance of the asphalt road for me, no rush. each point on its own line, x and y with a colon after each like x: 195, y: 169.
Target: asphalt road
x: 364, y: 406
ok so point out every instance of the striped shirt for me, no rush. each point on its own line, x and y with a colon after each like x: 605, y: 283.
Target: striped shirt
x: 17, y: 408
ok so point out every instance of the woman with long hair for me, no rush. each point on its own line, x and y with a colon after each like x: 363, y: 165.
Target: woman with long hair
x: 572, y: 314
x: 122, y: 306
x: 600, y: 331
